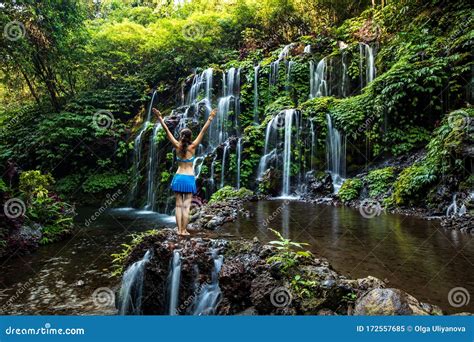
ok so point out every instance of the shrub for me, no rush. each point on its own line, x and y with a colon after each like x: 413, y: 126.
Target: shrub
x: 350, y: 189
x: 104, y: 182
x: 228, y: 192
x: 379, y: 181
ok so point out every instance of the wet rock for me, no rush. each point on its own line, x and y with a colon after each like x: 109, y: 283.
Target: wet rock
x: 262, y: 288
x: 464, y: 223
x: 320, y: 186
x: 26, y: 238
x: 391, y: 301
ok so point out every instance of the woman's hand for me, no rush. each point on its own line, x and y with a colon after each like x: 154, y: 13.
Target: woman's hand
x: 157, y: 113
x: 213, y: 114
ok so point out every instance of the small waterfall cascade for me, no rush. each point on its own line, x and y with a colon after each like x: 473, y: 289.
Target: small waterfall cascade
x: 131, y: 290
x: 137, y: 151
x: 279, y: 132
x: 173, y: 283
x: 288, y: 75
x: 270, y: 140
x: 345, y: 76
x: 318, y: 79
x: 275, y: 65
x: 336, y: 154
x: 455, y: 210
x: 152, y: 167
x: 239, y: 161
x: 210, y: 294
x: 218, y: 132
x: 256, y: 70
x: 307, y: 49
x: 289, y: 115
x: 224, y: 158
x: 202, y: 83
x: 313, y: 143
x: 367, y: 69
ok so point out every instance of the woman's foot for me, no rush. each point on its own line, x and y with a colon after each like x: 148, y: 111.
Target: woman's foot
x: 183, y: 233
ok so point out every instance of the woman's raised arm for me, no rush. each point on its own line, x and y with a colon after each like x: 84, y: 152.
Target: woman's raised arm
x: 200, y: 136
x: 167, y: 130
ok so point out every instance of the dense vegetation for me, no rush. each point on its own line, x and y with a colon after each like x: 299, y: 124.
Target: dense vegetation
x: 76, y: 77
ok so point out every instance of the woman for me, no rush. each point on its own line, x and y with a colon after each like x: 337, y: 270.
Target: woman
x: 184, y: 182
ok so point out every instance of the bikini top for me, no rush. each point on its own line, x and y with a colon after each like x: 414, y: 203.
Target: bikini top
x: 190, y: 160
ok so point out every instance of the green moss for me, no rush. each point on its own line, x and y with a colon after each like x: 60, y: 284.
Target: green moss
x: 350, y: 189
x: 228, y: 192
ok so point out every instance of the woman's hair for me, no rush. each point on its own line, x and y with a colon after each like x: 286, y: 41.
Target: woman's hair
x: 185, y: 139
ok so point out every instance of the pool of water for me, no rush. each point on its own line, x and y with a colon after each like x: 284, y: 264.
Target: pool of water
x: 73, y: 276
x: 413, y: 254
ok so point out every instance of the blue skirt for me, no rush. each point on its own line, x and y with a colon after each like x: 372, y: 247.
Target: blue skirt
x: 184, y: 183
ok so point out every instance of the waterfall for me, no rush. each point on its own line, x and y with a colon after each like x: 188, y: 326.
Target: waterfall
x: 313, y: 142
x: 218, y: 132
x: 288, y: 75
x: 286, y: 119
x: 256, y: 69
x: 318, y: 79
x: 210, y: 293
x: 213, y: 167
x: 335, y: 154
x: 152, y: 166
x: 137, y: 151
x: 289, y: 113
x: 453, y: 207
x: 267, y: 155
x: 367, y: 55
x: 345, y: 76
x: 274, y: 66
x: 174, y: 278
x: 239, y: 155
x: 224, y: 157
x: 307, y: 49
x: 131, y: 290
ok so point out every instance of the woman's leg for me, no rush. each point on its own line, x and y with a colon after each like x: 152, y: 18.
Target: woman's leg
x: 179, y: 211
x: 186, y: 208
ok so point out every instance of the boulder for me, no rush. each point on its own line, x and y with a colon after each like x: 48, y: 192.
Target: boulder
x: 390, y: 302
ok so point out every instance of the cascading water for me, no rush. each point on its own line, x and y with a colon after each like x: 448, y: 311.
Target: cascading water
x: 288, y: 75
x: 307, y: 49
x: 367, y: 55
x: 313, y: 143
x: 275, y: 65
x: 287, y: 119
x: 210, y: 294
x: 218, y: 132
x: 345, y: 76
x: 174, y: 279
x: 131, y: 290
x: 239, y: 156
x: 137, y: 151
x: 318, y: 79
x: 336, y: 154
x: 152, y: 166
x: 256, y: 69
x: 289, y: 114
x: 224, y: 158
